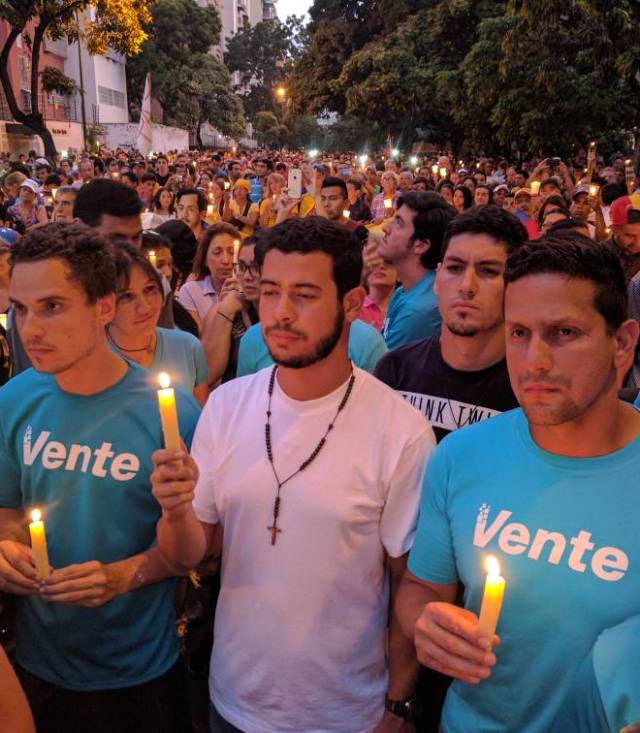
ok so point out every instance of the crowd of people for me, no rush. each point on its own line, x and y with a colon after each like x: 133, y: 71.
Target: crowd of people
x: 292, y: 568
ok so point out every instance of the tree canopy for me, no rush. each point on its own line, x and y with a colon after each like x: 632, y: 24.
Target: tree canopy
x: 118, y: 24
x: 498, y: 75
x: 190, y: 83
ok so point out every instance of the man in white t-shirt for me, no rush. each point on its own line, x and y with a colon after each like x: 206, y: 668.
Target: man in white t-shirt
x: 311, y: 468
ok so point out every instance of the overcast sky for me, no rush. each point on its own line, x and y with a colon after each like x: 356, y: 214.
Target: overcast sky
x: 292, y: 7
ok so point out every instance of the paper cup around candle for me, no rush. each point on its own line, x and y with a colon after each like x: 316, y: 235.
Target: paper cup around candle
x: 535, y: 187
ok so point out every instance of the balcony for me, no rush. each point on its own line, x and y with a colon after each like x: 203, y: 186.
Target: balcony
x: 53, y: 109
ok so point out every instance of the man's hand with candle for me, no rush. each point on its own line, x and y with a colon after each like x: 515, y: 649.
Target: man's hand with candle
x: 17, y: 572
x: 88, y: 584
x: 448, y: 639
x: 173, y: 481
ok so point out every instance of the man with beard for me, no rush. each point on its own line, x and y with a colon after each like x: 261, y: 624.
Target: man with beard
x: 550, y: 489
x: 313, y: 507
x: 459, y: 376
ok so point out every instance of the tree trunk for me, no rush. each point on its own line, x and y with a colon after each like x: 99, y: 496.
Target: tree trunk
x: 33, y: 120
x: 199, y: 135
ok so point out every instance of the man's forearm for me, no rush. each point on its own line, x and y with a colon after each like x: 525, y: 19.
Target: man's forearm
x: 182, y: 540
x: 143, y: 569
x: 403, y: 663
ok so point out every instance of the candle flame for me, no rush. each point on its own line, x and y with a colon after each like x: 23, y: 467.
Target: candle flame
x: 152, y: 253
x: 236, y: 242
x: 36, y: 516
x: 165, y: 380
x: 492, y: 565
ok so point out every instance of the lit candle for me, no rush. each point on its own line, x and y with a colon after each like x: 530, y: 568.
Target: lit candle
x: 492, y: 599
x: 210, y: 211
x: 346, y: 213
x: 168, y: 413
x: 39, y: 544
x: 443, y: 172
x: 388, y: 203
x: 211, y: 197
x: 152, y: 258
x: 434, y: 169
x: 236, y: 250
x: 593, y: 190
x: 535, y: 187
x: 115, y: 176
x: 3, y: 320
x: 227, y: 185
x: 54, y: 191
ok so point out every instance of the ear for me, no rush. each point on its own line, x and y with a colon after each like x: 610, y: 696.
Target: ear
x: 352, y: 303
x: 626, y: 338
x: 436, y: 282
x: 420, y: 247
x: 106, y: 308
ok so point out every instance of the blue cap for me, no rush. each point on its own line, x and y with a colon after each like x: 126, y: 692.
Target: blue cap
x: 8, y: 236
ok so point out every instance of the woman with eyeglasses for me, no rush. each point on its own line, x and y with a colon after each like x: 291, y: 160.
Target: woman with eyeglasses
x: 235, y: 311
x: 134, y: 332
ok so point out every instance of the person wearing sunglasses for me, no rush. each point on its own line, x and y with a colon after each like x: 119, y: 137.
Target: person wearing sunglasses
x: 237, y: 310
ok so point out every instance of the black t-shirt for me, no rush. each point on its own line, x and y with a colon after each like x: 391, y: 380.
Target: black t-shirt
x: 448, y: 398
x: 162, y: 180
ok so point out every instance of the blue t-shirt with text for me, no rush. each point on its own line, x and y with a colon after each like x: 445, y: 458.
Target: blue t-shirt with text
x: 85, y: 462
x: 565, y: 533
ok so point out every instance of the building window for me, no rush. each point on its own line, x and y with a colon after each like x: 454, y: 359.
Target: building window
x: 111, y: 97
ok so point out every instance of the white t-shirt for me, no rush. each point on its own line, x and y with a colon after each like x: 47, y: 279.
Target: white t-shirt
x: 300, y: 625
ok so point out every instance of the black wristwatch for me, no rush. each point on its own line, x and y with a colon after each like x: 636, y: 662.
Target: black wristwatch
x: 407, y: 709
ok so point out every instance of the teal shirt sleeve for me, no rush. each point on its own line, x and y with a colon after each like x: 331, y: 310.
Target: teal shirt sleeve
x: 202, y: 370
x: 432, y: 556
x: 246, y: 355
x: 582, y: 709
x: 366, y: 346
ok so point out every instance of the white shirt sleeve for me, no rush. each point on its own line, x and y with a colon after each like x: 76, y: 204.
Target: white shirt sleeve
x: 202, y: 452
x: 400, y: 513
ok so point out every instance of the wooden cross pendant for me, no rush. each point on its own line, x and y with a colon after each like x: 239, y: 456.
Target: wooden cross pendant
x: 275, y: 530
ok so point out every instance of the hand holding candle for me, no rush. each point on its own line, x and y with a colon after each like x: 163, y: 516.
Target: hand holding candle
x: 39, y: 544
x: 168, y: 413
x: 492, y: 599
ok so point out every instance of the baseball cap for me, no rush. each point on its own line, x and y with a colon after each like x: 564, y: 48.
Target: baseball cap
x: 30, y: 184
x: 501, y: 187
x: 8, y: 236
x: 578, y: 191
x: 42, y: 161
x: 625, y: 210
x: 522, y: 192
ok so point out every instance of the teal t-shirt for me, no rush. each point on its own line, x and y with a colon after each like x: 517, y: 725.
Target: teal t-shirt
x: 366, y: 348
x: 180, y: 354
x: 412, y: 314
x: 565, y: 531
x: 605, y: 694
x: 85, y: 462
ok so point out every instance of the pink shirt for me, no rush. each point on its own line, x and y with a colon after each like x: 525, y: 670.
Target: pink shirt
x: 372, y: 314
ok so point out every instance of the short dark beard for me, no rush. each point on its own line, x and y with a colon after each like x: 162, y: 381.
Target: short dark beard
x: 323, y: 349
x: 462, y: 330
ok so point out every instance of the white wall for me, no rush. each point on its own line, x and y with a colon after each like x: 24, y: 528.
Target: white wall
x: 118, y: 135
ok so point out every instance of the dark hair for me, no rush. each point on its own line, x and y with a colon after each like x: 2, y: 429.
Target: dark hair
x: 152, y: 240
x: 570, y: 224
x: 357, y: 185
x: 156, y: 199
x: 487, y: 188
x: 202, y: 200
x: 504, y: 227
x: 334, y: 182
x: 612, y: 191
x: 317, y: 234
x: 183, y: 245
x: 556, y: 201
x: 87, y: 254
x: 147, y: 177
x: 466, y: 195
x: 440, y: 186
x: 200, y: 267
x: 429, y: 185
x: 551, y: 182
x: 127, y: 257
x: 578, y: 258
x: 53, y: 179
x: 432, y: 216
x: 130, y: 175
x: 104, y: 196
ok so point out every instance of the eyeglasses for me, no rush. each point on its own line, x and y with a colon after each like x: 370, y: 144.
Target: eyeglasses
x: 253, y: 268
